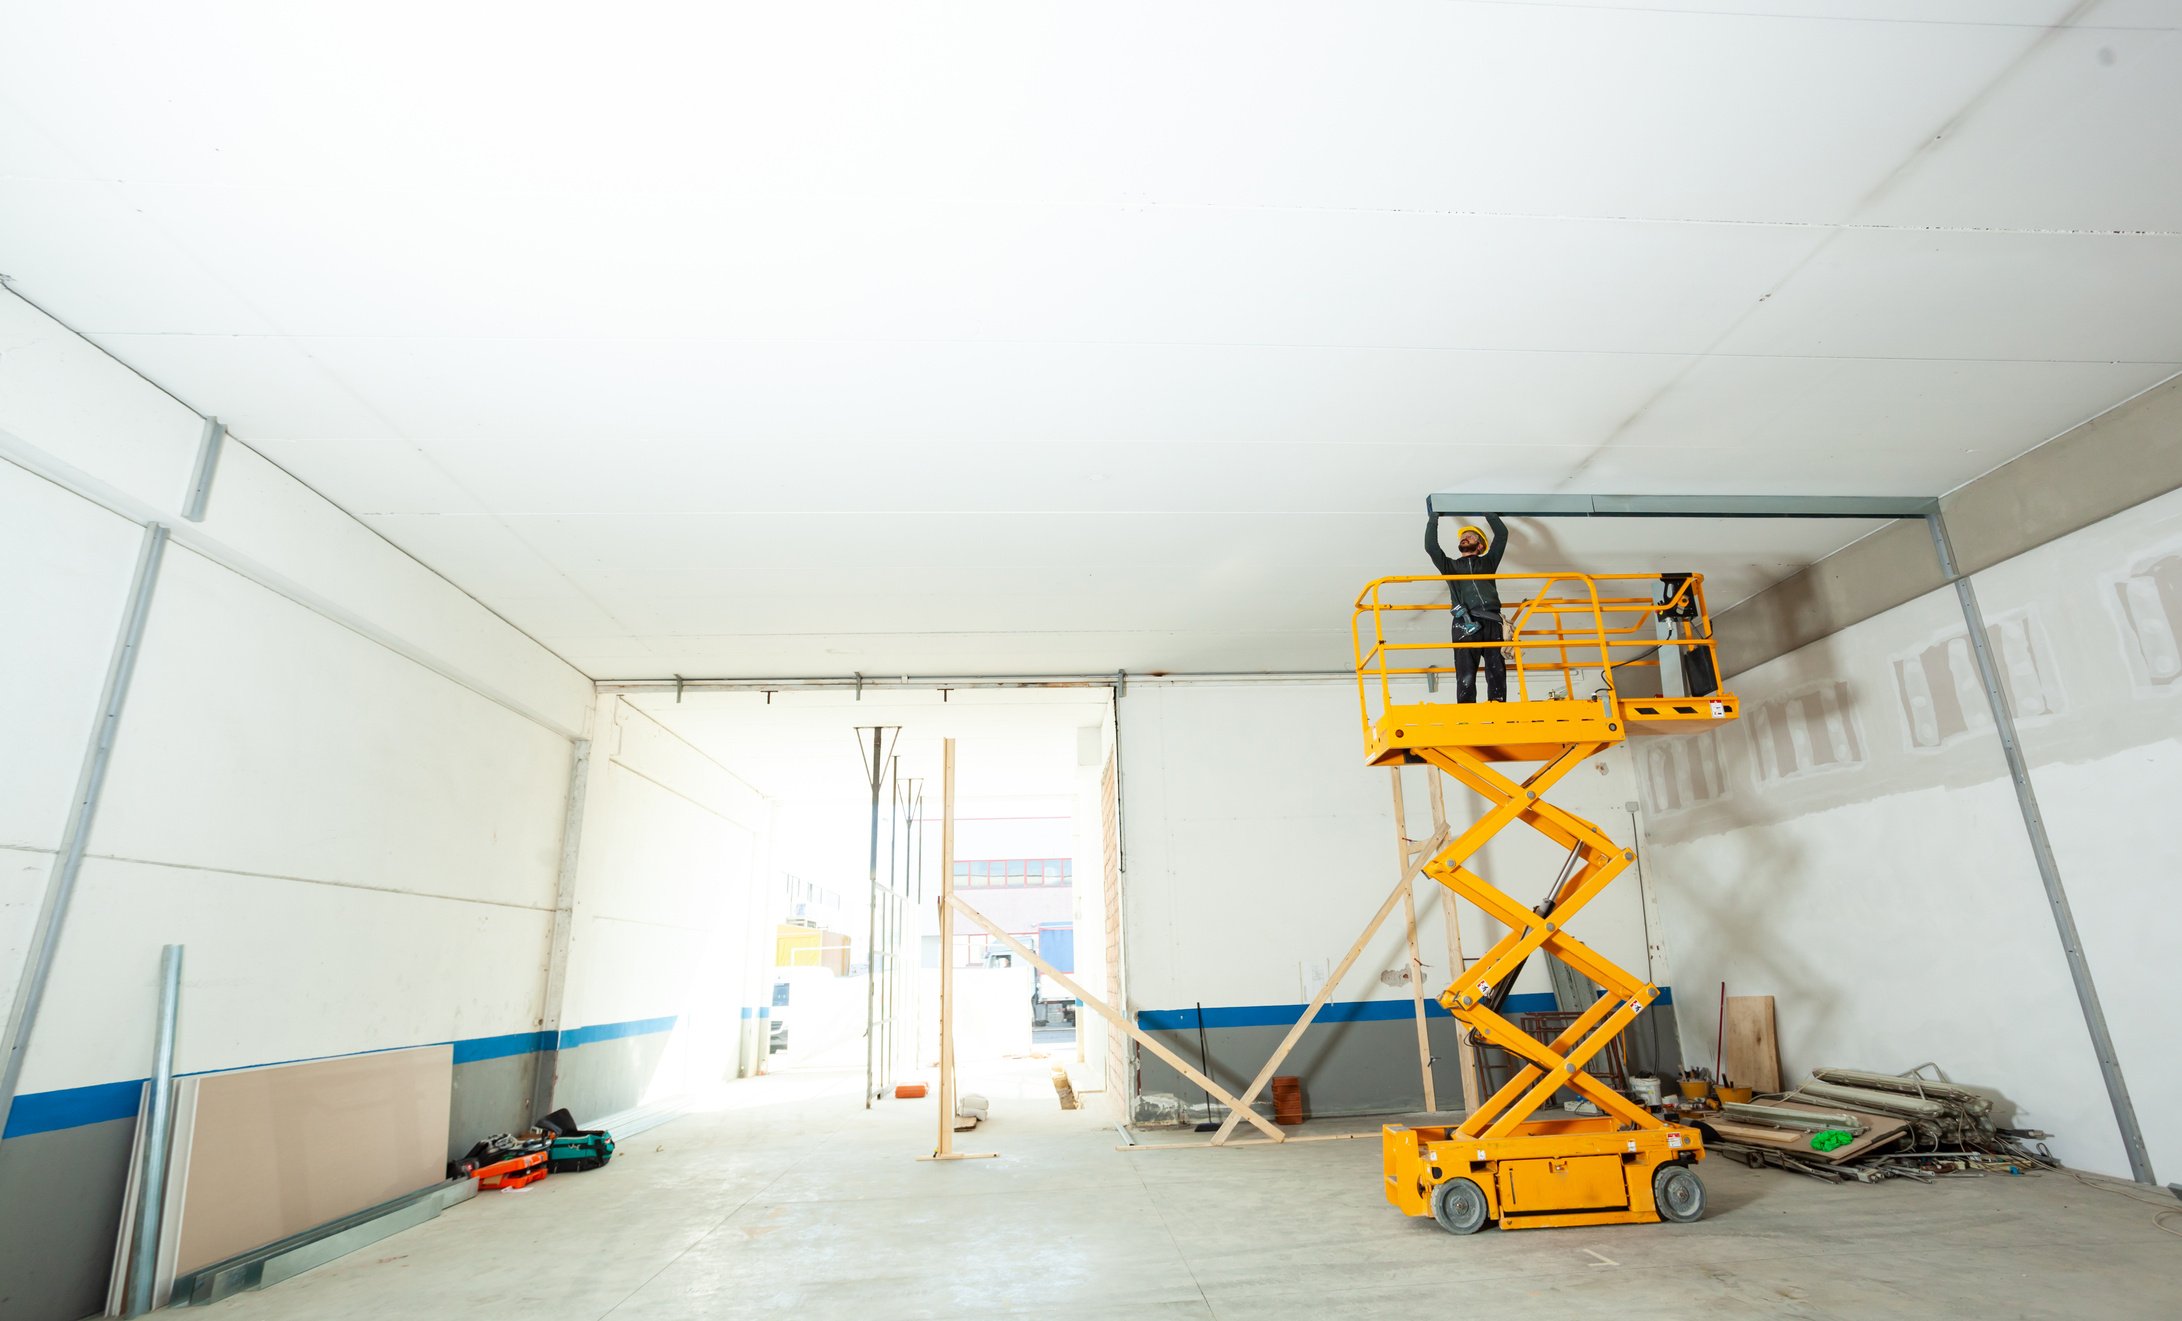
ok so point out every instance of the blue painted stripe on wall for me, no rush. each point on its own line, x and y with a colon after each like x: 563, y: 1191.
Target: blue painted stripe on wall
x: 1336, y: 1011
x: 495, y: 1048
x: 74, y: 1107
x: 584, y: 1036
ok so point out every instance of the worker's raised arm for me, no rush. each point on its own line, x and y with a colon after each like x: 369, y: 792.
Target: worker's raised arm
x: 1500, y: 543
x: 1440, y: 560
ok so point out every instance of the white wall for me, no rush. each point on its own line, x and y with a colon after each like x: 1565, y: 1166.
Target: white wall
x: 674, y: 899
x: 1014, y: 828
x: 1020, y: 911
x: 358, y: 847
x: 1872, y: 871
x: 1257, y: 844
x: 2103, y: 609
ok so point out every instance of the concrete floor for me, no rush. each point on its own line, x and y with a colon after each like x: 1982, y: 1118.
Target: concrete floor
x: 786, y: 1199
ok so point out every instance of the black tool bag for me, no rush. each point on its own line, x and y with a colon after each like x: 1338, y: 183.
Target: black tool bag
x: 492, y: 1150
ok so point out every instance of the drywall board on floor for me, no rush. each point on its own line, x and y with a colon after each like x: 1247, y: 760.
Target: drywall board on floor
x: 61, y: 1198
x: 275, y: 1151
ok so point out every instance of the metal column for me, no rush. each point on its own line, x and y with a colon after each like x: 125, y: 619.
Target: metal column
x: 875, y: 771
x: 61, y: 886
x: 208, y: 461
x: 151, y: 1175
x: 547, y: 1063
x: 888, y: 1005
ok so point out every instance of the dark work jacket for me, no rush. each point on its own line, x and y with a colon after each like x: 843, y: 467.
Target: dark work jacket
x: 1482, y: 598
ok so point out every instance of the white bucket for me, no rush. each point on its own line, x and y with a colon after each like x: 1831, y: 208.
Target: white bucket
x: 1646, y: 1090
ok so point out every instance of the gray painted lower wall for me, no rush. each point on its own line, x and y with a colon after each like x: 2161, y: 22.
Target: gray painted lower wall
x: 490, y: 1096
x: 60, y: 1209
x: 1367, y: 1068
x: 2114, y: 462
x: 601, y: 1077
x: 61, y: 1193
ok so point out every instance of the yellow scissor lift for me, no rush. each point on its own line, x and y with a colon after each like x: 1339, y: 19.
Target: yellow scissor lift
x: 1568, y: 641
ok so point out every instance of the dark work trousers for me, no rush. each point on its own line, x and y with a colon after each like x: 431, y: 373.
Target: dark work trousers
x: 1467, y: 658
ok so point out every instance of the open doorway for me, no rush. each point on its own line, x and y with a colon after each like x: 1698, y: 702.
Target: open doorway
x: 1032, y: 897
x: 849, y: 983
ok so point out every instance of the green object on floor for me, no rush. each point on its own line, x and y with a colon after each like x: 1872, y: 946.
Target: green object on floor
x: 1832, y: 1138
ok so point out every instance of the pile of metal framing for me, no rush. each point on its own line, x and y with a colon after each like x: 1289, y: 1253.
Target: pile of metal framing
x: 1900, y: 1126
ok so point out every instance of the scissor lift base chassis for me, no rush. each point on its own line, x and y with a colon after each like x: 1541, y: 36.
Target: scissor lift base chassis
x: 1551, y: 1172
x: 1537, y: 1173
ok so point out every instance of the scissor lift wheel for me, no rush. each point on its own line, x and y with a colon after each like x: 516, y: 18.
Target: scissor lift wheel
x: 1460, y: 1206
x: 1678, y: 1194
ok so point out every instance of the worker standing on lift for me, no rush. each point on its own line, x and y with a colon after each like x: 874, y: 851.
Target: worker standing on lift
x: 1474, y: 605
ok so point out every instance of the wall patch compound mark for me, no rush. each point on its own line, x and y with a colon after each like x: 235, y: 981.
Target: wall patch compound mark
x: 1680, y: 773
x: 2028, y: 674
x: 1805, y: 732
x: 2147, y: 602
x: 1943, y: 699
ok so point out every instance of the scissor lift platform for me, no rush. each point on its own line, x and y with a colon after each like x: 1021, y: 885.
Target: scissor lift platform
x: 1533, y: 730
x: 1502, y: 1164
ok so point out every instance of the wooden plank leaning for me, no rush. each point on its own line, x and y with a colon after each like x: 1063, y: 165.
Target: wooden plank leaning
x: 1242, y: 1110
x: 1114, y: 1016
x: 945, y: 1149
x: 1409, y: 926
x: 1473, y: 1087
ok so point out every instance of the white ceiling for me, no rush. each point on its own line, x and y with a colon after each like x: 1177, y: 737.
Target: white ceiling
x: 1016, y: 337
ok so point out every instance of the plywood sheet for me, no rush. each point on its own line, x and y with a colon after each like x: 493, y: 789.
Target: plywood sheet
x: 1750, y: 1055
x: 1879, y: 1131
x: 275, y: 1151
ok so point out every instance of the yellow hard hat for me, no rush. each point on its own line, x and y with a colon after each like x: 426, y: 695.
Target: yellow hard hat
x: 1472, y: 527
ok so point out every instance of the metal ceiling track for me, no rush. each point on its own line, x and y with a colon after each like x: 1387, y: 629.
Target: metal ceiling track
x: 1685, y: 506
x: 861, y: 683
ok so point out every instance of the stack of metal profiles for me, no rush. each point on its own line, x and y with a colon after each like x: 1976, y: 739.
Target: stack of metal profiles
x: 1937, y: 1111
x: 1802, y: 1121
x: 1902, y: 1126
